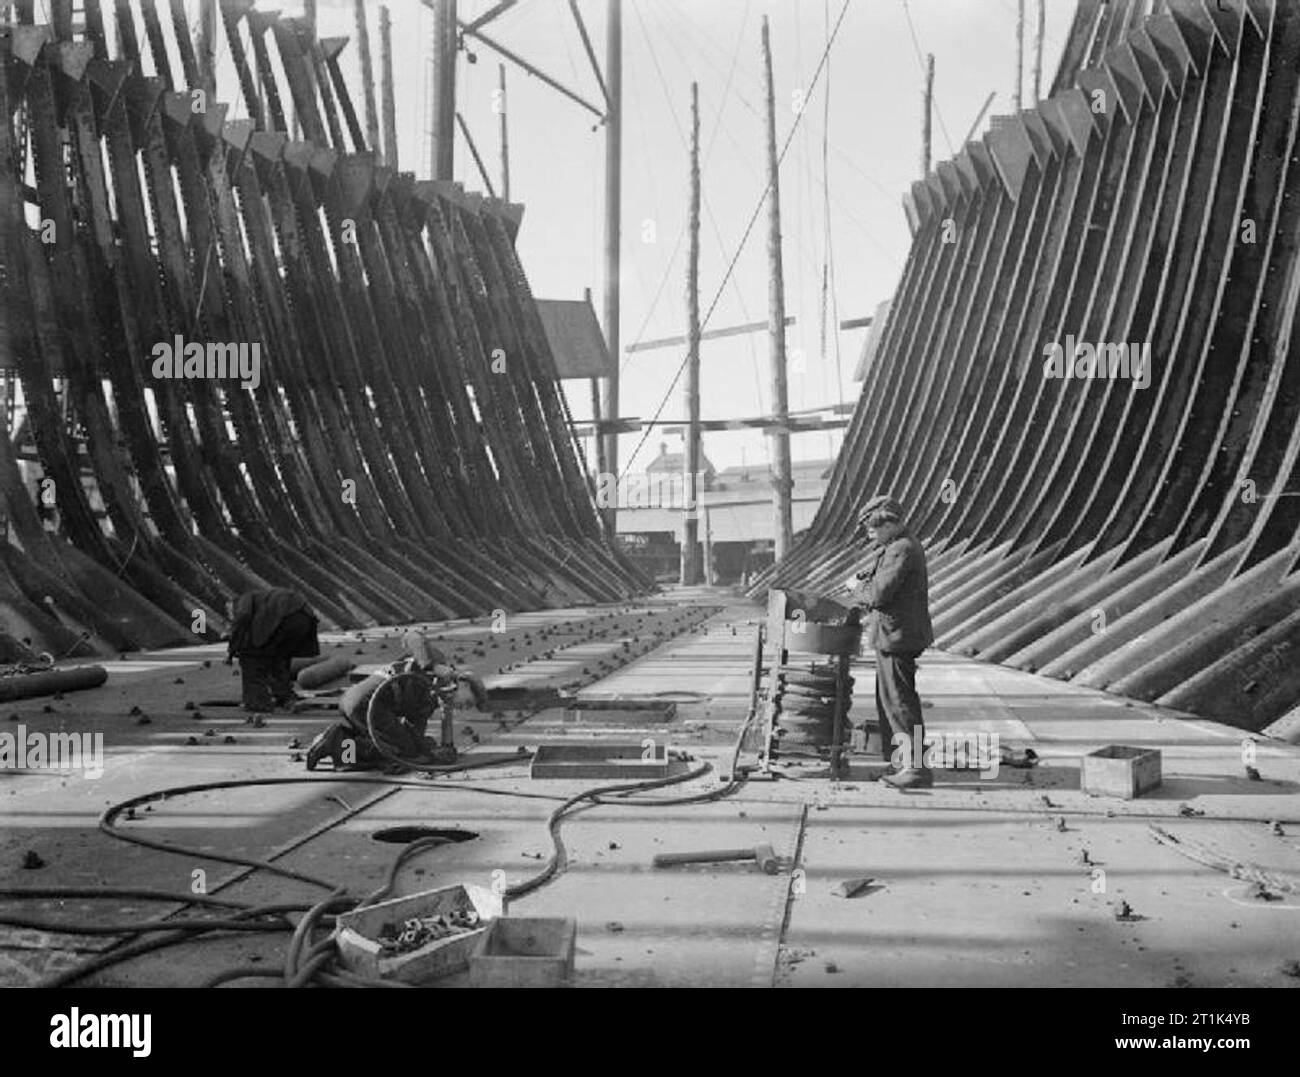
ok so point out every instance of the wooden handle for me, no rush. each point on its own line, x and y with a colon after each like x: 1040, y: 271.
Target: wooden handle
x: 707, y: 857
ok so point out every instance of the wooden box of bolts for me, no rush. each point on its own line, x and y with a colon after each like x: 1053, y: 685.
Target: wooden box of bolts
x: 358, y: 934
x: 521, y: 951
x: 1120, y: 771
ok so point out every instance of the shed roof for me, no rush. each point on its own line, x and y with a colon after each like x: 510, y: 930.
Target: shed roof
x: 575, y: 338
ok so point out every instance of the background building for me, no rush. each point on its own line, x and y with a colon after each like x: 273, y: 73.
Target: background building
x: 737, y: 524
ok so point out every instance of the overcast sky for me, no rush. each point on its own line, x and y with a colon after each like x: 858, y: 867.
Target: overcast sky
x: 875, y: 80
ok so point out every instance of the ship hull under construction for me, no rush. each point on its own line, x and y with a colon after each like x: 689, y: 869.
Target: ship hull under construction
x: 395, y: 445
x: 1087, y: 392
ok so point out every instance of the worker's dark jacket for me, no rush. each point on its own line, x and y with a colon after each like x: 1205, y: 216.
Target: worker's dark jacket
x: 275, y: 623
x: 897, y: 588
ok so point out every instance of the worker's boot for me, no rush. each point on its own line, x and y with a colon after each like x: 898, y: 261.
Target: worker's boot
x: 327, y: 745
x: 280, y: 679
x: 910, y: 778
x: 344, y: 748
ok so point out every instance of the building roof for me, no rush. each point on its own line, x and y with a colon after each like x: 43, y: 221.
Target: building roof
x: 727, y: 521
x: 675, y: 461
x: 815, y: 468
x: 807, y: 474
x: 738, y: 504
x: 575, y: 338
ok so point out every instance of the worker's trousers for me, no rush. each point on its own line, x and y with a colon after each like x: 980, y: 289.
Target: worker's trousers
x: 266, y: 681
x: 267, y: 670
x: 899, y: 708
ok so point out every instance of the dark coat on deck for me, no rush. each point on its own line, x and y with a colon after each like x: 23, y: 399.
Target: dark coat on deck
x: 896, y: 587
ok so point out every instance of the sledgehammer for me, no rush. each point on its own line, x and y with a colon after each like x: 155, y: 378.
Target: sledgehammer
x: 762, y: 855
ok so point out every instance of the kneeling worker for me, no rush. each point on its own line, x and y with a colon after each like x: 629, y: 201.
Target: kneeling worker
x: 401, y: 715
x: 894, y: 586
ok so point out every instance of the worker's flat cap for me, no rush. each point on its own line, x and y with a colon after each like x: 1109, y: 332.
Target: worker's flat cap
x: 879, y: 508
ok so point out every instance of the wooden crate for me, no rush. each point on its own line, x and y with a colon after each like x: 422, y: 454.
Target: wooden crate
x: 357, y: 934
x: 1120, y: 771
x: 519, y: 951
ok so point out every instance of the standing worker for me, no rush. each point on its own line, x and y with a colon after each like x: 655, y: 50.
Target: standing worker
x: 895, y: 587
x: 270, y: 629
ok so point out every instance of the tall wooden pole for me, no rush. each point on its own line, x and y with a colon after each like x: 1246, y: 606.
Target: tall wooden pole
x: 505, y: 141
x: 1018, y: 97
x: 443, y: 99
x: 207, y: 46
x: 781, y: 483
x: 927, y: 114
x: 708, y: 547
x: 1038, y: 51
x: 598, y: 439
x: 386, y: 83
x: 367, y: 78
x: 431, y: 94
x: 613, y: 227
x: 309, y: 14
x: 61, y: 17
x: 296, y: 129
x: 691, y: 458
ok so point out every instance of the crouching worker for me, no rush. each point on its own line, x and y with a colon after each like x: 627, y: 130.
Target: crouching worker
x: 270, y: 629
x: 395, y: 705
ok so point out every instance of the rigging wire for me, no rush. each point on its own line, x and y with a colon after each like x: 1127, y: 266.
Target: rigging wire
x: 717, y: 127
x: 707, y: 202
x: 697, y: 38
x: 803, y: 202
x: 804, y: 253
x: 741, y: 155
x: 828, y: 273
x: 920, y: 59
x: 828, y: 279
x: 758, y: 208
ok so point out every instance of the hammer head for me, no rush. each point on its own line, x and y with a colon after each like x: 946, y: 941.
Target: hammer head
x: 765, y: 858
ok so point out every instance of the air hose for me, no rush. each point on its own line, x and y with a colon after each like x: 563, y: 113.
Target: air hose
x: 315, y: 965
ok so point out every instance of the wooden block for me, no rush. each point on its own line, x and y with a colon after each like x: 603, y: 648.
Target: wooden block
x: 1120, y: 771
x: 597, y: 711
x: 520, y: 951
x: 600, y: 761
x: 851, y: 888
